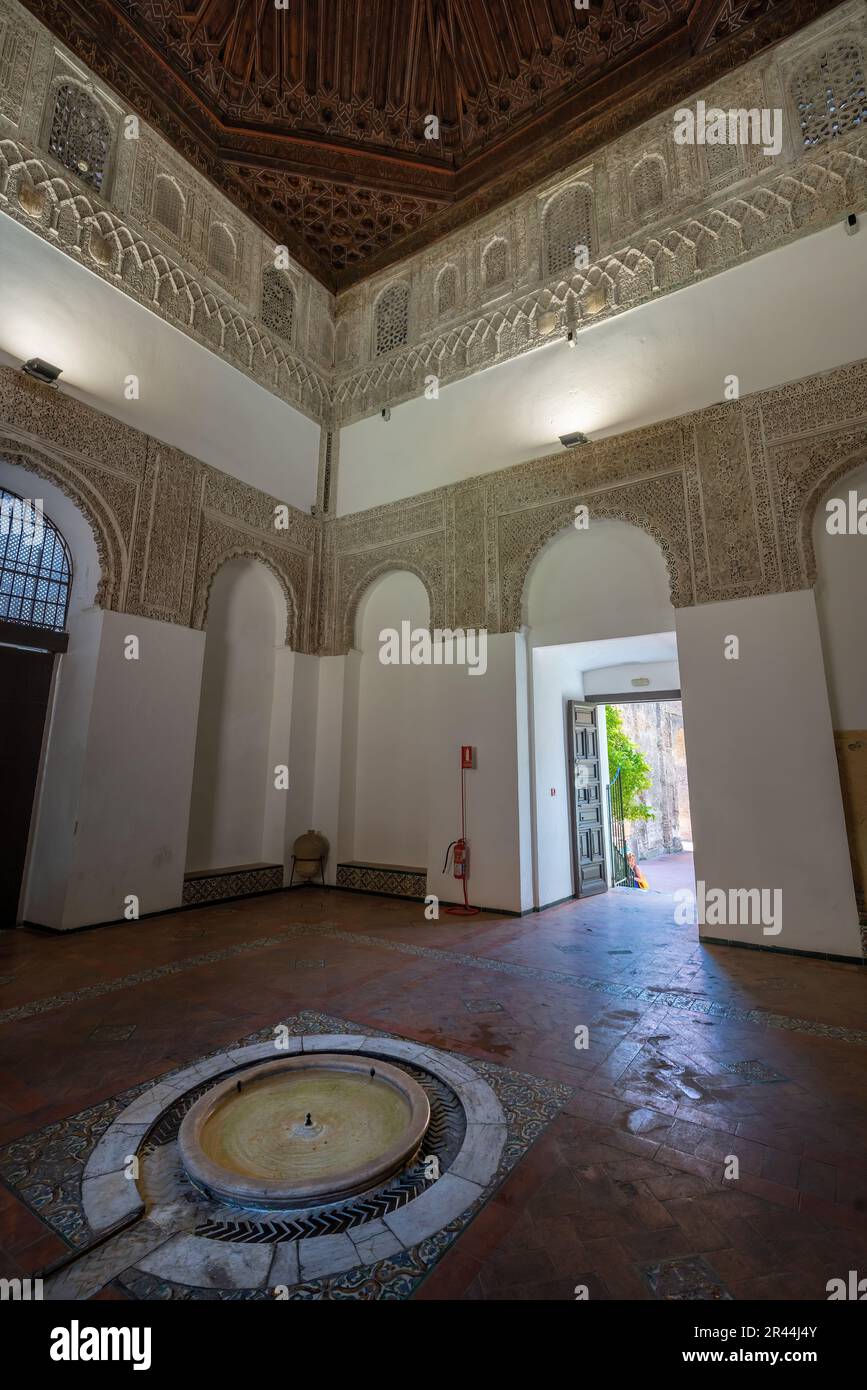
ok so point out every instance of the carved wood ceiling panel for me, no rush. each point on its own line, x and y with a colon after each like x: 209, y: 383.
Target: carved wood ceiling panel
x: 312, y: 117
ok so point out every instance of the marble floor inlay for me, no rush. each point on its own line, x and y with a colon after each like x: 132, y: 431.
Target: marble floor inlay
x: 666, y: 998
x: 74, y: 1174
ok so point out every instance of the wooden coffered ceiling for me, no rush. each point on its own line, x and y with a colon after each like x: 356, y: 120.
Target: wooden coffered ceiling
x: 311, y: 118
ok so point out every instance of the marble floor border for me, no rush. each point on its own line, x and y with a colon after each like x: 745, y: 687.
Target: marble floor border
x: 667, y: 998
x: 163, y: 1257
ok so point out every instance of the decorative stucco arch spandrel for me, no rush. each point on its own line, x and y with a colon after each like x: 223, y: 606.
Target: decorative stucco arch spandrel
x: 220, y: 544
x: 73, y: 482
x: 656, y: 506
x: 376, y: 571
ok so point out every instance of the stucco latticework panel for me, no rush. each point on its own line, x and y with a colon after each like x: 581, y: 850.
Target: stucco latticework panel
x: 728, y: 506
x: 656, y: 506
x: 220, y: 542
x: 719, y: 208
x: 728, y: 502
x: 665, y: 216
x: 728, y: 494
x: 801, y: 475
x: 422, y: 556
x: 163, y: 522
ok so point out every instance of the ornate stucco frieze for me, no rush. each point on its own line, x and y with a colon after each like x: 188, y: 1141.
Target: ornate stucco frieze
x: 655, y: 215
x: 728, y: 493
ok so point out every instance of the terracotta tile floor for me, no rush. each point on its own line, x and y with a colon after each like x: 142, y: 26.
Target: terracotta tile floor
x: 629, y: 1176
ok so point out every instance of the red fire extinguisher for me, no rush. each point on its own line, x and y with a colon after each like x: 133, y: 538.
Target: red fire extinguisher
x: 459, y: 849
x: 460, y: 859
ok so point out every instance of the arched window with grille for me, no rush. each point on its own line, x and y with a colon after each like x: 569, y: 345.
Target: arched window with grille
x: 35, y: 567
x: 168, y: 205
x: 221, y: 251
x: 648, y: 185
x: 278, y: 302
x: 829, y: 93
x: 495, y: 266
x: 447, y: 291
x: 392, y: 319
x: 80, y: 135
x: 567, y: 228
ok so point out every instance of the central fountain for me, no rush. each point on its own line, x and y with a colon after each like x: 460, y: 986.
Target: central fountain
x: 303, y: 1131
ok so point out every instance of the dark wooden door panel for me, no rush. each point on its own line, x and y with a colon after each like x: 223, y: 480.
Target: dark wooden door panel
x: 25, y: 683
x: 587, y: 808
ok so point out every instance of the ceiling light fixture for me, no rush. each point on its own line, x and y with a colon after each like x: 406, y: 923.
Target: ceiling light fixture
x: 570, y: 440
x: 42, y: 371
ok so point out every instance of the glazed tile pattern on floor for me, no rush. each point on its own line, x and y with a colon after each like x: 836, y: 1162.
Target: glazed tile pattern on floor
x: 695, y: 1053
x: 49, y: 1171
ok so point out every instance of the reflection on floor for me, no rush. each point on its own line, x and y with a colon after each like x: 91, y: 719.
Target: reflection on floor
x: 695, y: 1054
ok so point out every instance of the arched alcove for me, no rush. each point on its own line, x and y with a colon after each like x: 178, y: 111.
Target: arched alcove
x: 610, y: 580
x: 840, y: 555
x: 239, y: 720
x: 390, y: 821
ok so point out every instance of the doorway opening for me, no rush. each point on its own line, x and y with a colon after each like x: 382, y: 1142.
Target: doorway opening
x: 35, y: 583
x: 649, y: 829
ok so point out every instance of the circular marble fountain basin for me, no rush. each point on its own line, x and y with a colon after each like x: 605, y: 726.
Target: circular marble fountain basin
x: 248, y: 1140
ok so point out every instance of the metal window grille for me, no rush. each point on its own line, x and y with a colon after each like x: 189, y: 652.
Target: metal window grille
x: 35, y: 568
x: 80, y: 136
x: 830, y: 94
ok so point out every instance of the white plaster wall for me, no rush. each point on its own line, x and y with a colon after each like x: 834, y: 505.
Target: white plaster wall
x: 302, y: 752
x: 608, y: 581
x: 279, y: 755
x: 189, y: 397
x: 391, y: 741
x: 617, y: 680
x: 481, y: 710
x: 133, y: 808
x: 841, y: 599
x: 764, y: 788
x: 655, y: 362
x: 331, y: 730
x: 524, y: 755
x: 557, y: 679
x: 234, y: 775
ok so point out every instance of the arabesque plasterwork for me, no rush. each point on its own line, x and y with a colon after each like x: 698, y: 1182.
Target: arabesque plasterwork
x: 728, y: 493
x: 712, y: 218
x: 163, y: 522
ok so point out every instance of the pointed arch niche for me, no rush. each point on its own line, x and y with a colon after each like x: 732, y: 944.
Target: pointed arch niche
x: 384, y: 801
x: 237, y: 815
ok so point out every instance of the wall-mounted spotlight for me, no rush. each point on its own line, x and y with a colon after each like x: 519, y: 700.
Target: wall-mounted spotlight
x: 851, y: 224
x: 386, y: 413
x: 570, y: 440
x: 42, y: 371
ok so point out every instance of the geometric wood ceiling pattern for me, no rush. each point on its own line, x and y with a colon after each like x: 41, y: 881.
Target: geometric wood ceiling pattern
x: 312, y: 117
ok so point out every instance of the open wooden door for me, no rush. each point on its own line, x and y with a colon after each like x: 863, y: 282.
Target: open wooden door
x: 586, y: 800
